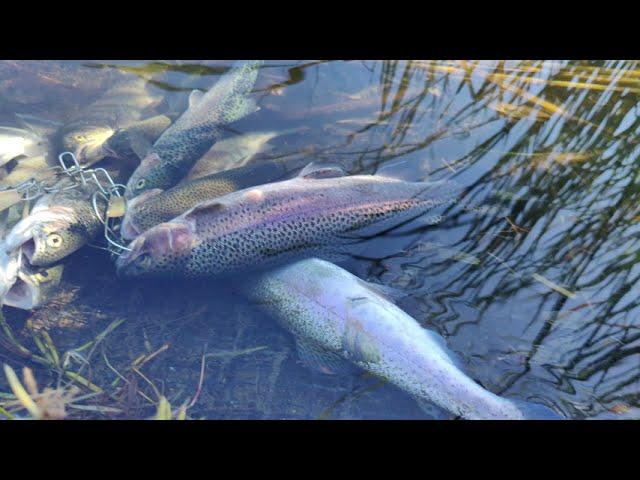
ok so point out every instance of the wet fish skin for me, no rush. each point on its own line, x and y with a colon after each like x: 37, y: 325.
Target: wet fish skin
x: 86, y: 133
x: 235, y: 152
x: 279, y: 222
x: 196, y: 130
x: 155, y: 206
x: 59, y: 224
x: 9, y: 266
x: 136, y: 139
x: 16, y: 142
x: 34, y: 287
x: 341, y: 316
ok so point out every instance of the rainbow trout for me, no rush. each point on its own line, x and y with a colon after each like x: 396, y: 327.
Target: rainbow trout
x: 59, y: 224
x: 196, y: 130
x: 338, y: 318
x: 156, y: 206
x: 321, y: 212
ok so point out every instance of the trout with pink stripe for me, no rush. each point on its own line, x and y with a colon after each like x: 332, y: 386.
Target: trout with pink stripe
x: 319, y: 213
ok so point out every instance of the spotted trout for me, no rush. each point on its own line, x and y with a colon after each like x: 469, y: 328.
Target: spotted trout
x: 59, y: 224
x: 156, y: 206
x: 320, y: 212
x: 196, y: 130
x: 338, y: 318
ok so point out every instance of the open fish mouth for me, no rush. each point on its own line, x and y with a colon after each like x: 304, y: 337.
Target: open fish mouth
x: 9, y: 266
x: 29, y: 249
x: 23, y: 231
x: 21, y: 295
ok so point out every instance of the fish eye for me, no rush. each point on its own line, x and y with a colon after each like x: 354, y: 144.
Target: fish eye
x: 141, y: 183
x: 41, y: 276
x: 54, y: 240
x: 144, y: 260
x: 79, y: 138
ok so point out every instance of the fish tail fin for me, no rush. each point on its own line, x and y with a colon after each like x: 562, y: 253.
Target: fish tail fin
x: 231, y: 93
x: 438, y: 197
x: 246, y: 106
x: 536, y: 411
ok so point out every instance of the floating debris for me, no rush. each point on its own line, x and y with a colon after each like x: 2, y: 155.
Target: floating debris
x: 553, y: 286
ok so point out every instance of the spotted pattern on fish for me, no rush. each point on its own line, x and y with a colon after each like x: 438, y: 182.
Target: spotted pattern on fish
x: 329, y: 307
x: 164, y: 206
x: 59, y: 224
x: 197, y: 129
x: 278, y: 222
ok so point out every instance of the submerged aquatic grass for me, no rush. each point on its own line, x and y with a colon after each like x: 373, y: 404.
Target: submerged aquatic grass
x: 549, y: 151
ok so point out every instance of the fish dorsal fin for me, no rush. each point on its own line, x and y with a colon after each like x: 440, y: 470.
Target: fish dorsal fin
x: 140, y: 199
x: 317, y: 171
x: 209, y: 207
x: 40, y: 126
x: 194, y: 97
x: 320, y: 359
x: 391, y: 294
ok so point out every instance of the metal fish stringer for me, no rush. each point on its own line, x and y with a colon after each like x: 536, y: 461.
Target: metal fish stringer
x: 111, y: 192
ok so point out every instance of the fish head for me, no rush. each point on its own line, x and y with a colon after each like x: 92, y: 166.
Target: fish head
x: 47, y: 235
x: 160, y: 251
x: 151, y: 173
x: 34, y: 287
x: 131, y: 227
x: 88, y: 144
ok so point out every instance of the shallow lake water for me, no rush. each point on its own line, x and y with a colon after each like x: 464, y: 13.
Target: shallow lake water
x: 533, y: 280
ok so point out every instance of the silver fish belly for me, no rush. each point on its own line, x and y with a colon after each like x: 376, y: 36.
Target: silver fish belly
x: 341, y: 315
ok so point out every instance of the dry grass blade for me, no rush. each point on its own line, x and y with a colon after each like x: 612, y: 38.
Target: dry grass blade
x: 553, y: 286
x: 6, y: 414
x: 83, y: 381
x: 21, y: 394
x: 164, y: 410
x: 141, y: 360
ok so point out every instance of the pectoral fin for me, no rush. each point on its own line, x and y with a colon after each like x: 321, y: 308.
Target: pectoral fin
x: 389, y: 293
x: 320, y: 359
x: 194, y: 97
x: 317, y: 171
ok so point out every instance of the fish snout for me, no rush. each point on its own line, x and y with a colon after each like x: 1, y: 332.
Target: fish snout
x: 150, y: 249
x: 127, y: 264
x: 128, y: 229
